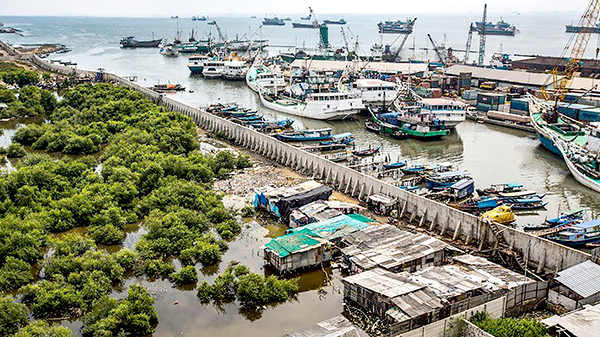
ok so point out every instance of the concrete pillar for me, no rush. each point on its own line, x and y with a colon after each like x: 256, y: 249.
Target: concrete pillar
x: 444, y: 226
x: 413, y: 215
x: 362, y: 191
x: 541, y: 263
x: 348, y: 185
x: 432, y: 226
x: 456, y: 231
x: 328, y: 177
x: 404, y: 206
x: 355, y: 189
x: 423, y: 218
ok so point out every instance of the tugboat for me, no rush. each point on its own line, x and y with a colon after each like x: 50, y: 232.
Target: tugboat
x: 131, y: 42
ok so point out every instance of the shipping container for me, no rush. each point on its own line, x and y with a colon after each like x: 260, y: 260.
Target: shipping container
x: 486, y: 107
x: 521, y: 104
x: 491, y: 98
x: 589, y: 115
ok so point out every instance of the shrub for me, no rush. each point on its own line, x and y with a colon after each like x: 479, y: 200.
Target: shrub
x: 13, y: 316
x: 28, y: 135
x: 509, y: 327
x: 185, y: 275
x: 40, y: 328
x: 15, y: 150
x: 14, y: 274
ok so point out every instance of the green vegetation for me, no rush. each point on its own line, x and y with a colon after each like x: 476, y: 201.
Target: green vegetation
x: 250, y: 289
x: 509, y: 327
x: 40, y: 328
x: 15, y: 151
x: 15, y: 75
x: 13, y: 316
x: 186, y: 275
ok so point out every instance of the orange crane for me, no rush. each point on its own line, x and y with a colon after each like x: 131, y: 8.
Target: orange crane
x: 579, y: 42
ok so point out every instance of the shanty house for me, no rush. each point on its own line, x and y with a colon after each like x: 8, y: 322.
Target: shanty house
x: 392, y: 249
x: 576, y: 286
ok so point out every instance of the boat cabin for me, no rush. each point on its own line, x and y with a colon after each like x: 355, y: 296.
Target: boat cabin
x: 441, y: 104
x: 580, y: 233
x: 330, y: 96
x: 376, y: 91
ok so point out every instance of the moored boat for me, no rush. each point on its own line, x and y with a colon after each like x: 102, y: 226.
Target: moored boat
x: 168, y: 87
x: 499, y: 28
x: 366, y: 152
x: 578, y: 234
x: 394, y: 166
x: 261, y: 76
x: 321, y: 106
x: 583, y: 164
x: 273, y: 22
x: 496, y: 189
x: 478, y: 204
x: 443, y: 180
x: 414, y: 123
x: 305, y: 135
x: 396, y: 27
x: 501, y: 214
x: 196, y: 63
x: 335, y: 22
x: 213, y: 69
x: 131, y: 42
x: 235, y: 70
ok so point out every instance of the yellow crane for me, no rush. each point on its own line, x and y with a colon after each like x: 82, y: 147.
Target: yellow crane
x: 579, y: 42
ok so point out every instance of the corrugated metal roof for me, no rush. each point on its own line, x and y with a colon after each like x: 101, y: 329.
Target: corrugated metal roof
x: 512, y: 76
x: 383, y: 282
x: 337, y: 326
x: 582, y: 323
x: 583, y: 279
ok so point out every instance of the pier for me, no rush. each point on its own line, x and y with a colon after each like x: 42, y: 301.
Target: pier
x: 532, y: 253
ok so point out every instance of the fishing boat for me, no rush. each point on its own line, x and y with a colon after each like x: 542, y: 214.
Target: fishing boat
x: 394, y: 166
x: 366, y: 152
x: 415, y: 169
x: 167, y: 87
x: 377, y: 92
x: 500, y: 188
x: 414, y: 123
x: 441, y: 180
x: 274, y: 124
x: 336, y: 156
x: 501, y: 214
x: 499, y: 28
x: 578, y: 234
x: 583, y: 164
x: 345, y: 138
x: 448, y: 111
x: 478, y: 204
x: 273, y: 22
x: 321, y: 106
x: 131, y: 42
x: 429, y: 168
x: 549, y: 125
x: 305, y: 18
x: 335, y: 22
x: 563, y: 220
x: 235, y: 70
x: 169, y: 50
x: 525, y: 203
x: 261, y: 76
x: 372, y: 126
x: 196, y: 63
x: 396, y: 27
x: 213, y: 69
x: 305, y: 135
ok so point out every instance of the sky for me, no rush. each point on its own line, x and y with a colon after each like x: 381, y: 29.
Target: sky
x: 165, y: 8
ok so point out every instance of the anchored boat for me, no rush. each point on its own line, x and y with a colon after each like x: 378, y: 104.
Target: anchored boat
x: 415, y: 123
x: 396, y: 27
x: 131, y: 42
x: 578, y: 234
x: 309, y: 135
x: 321, y: 106
x: 261, y: 76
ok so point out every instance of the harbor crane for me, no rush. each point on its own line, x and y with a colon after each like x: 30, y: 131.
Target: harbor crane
x: 222, y: 36
x: 402, y: 44
x: 315, y: 22
x: 437, y: 50
x: 468, y: 46
x: 482, y: 37
x: 345, y: 40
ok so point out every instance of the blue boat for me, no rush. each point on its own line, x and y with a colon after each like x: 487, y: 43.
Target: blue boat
x: 443, y: 180
x: 415, y: 169
x: 305, y: 135
x: 478, y: 204
x: 273, y: 124
x: 340, y: 138
x: 579, y: 234
x: 566, y: 218
x: 500, y: 188
x: 463, y: 188
x: 393, y: 166
x: 525, y: 203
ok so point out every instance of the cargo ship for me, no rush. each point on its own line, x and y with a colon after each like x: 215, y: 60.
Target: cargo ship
x: 335, y: 22
x: 576, y: 29
x: 499, y: 28
x: 131, y: 42
x: 273, y: 22
x: 396, y: 27
x: 305, y: 25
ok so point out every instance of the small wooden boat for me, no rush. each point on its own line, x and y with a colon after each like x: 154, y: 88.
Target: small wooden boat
x: 525, y: 204
x: 478, y: 204
x: 441, y: 180
x: 366, y: 152
x: 305, y: 135
x: 372, y: 126
x: 501, y: 214
x: 168, y: 87
x: 579, y: 234
x: 341, y: 138
x: 394, y: 166
x: 500, y: 188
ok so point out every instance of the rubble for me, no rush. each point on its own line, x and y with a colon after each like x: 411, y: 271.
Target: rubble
x: 243, y: 182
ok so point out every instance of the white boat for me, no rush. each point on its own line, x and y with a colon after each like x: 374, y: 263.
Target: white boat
x: 375, y: 91
x: 260, y: 76
x: 196, y: 63
x: 448, y: 111
x: 321, y: 106
x: 235, y: 70
x: 213, y: 69
x: 582, y: 164
x: 169, y: 50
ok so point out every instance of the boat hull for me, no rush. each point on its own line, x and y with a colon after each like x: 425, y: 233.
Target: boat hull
x: 303, y: 110
x: 579, y: 176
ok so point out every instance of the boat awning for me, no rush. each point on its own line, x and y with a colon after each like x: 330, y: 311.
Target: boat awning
x: 588, y: 224
x: 452, y: 174
x: 342, y: 135
x: 459, y: 185
x: 514, y: 185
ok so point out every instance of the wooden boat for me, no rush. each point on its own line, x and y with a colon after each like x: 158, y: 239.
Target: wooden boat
x: 372, y: 126
x: 441, y: 180
x: 564, y: 220
x: 501, y: 214
x: 583, y: 164
x: 412, y: 124
x: 366, y: 152
x: 340, y: 138
x: 168, y: 87
x: 495, y: 189
x: 394, y: 166
x: 305, y: 135
x: 525, y: 204
x: 579, y: 234
x: 478, y: 204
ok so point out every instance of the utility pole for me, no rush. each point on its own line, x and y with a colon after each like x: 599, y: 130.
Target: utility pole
x: 482, y: 37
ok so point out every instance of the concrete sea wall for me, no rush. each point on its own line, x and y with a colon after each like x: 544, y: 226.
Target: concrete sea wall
x: 538, y: 254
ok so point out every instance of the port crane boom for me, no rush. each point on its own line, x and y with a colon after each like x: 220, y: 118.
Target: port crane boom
x: 468, y: 46
x: 482, y: 37
x: 437, y: 50
x: 402, y: 44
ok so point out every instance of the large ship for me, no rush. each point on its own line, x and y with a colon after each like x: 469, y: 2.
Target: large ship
x: 335, y: 22
x: 273, y: 22
x: 131, y: 42
x: 396, y: 27
x: 576, y: 29
x: 499, y: 28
